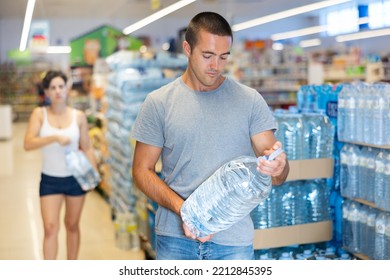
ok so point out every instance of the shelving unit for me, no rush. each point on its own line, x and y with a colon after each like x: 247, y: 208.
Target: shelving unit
x: 18, y: 88
x: 363, y: 201
x: 305, y: 233
x: 277, y: 83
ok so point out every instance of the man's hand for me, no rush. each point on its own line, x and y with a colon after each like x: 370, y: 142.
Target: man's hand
x: 273, y: 167
x: 189, y: 234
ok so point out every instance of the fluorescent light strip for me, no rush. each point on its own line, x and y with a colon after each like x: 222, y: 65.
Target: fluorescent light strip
x: 307, y: 31
x: 156, y: 16
x: 26, y: 25
x: 363, y: 35
x: 286, y: 14
x: 298, y: 33
x: 310, y: 43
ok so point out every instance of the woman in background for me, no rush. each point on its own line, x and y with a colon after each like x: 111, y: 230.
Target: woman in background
x: 54, y: 129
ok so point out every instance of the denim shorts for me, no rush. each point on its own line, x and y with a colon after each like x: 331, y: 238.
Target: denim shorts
x: 174, y: 248
x: 59, y: 185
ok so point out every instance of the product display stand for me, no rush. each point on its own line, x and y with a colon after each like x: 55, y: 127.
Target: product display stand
x: 304, y: 233
x: 362, y: 201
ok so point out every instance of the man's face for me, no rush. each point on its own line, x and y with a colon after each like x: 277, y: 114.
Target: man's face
x: 207, y: 60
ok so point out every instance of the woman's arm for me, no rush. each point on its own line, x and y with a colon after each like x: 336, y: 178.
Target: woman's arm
x: 32, y: 140
x: 85, y: 141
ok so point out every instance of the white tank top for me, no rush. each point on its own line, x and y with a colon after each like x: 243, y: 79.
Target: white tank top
x: 54, y: 154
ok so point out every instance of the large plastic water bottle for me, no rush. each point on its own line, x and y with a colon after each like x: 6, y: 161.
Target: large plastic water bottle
x: 236, y: 187
x: 380, y: 114
x: 341, y: 113
x: 290, y: 134
x: 386, y: 205
x: 370, y: 232
x: 259, y: 215
x: 382, y: 180
x: 368, y: 171
x: 352, y: 237
x: 380, y: 239
x: 350, y: 115
x: 360, y: 106
x: 288, y: 204
x: 363, y: 216
x: 317, y: 200
x: 318, y: 135
x: 349, y: 171
x: 368, y: 115
x: 346, y: 225
x: 275, y: 218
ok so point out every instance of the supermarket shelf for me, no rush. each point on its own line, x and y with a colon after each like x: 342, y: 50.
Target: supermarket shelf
x: 297, y: 234
x: 365, y: 202
x: 387, y: 147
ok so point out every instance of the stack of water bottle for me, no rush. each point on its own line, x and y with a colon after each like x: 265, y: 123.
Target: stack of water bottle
x: 304, y: 135
x: 131, y: 79
x: 293, y: 203
x: 366, y: 230
x: 318, y: 251
x: 364, y: 113
x: 365, y: 174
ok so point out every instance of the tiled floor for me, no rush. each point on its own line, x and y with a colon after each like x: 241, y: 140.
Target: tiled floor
x: 21, y: 230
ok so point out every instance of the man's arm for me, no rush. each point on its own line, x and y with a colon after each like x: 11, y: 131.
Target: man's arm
x: 146, y: 179
x: 265, y: 143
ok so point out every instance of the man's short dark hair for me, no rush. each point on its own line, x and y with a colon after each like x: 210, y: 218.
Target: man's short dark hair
x: 209, y: 21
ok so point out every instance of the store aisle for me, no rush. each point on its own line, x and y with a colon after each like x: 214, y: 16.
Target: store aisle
x: 21, y: 230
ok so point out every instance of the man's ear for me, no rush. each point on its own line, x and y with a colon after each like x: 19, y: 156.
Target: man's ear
x: 186, y: 48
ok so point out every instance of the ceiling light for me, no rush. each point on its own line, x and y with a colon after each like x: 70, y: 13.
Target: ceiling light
x: 26, y: 25
x: 170, y: 9
x: 307, y: 31
x: 363, y: 35
x: 286, y: 14
x: 310, y: 43
x: 298, y: 33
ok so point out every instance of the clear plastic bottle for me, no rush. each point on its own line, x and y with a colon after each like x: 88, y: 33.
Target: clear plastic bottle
x: 341, y: 135
x: 361, y: 92
x: 317, y: 201
x: 350, y: 115
x: 368, y: 115
x: 362, y: 227
x: 386, y: 205
x: 350, y: 171
x: 236, y: 187
x: 318, y: 135
x: 379, y: 183
x: 380, y: 242
x: 370, y: 232
x: 362, y: 174
x: 259, y: 215
x: 380, y: 114
x: 290, y: 134
x: 274, y: 210
x: 346, y: 225
x: 288, y: 204
x: 285, y: 256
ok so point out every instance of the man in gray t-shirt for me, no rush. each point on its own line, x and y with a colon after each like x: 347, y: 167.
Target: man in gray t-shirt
x: 195, y: 124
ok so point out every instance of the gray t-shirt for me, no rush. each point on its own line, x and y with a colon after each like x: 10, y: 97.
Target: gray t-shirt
x: 198, y: 132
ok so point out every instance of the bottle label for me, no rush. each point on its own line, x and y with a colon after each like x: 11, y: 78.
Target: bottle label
x: 332, y: 108
x: 380, y: 228
x: 379, y: 167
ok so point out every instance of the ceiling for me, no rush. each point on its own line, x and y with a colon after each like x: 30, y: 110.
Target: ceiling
x: 136, y: 9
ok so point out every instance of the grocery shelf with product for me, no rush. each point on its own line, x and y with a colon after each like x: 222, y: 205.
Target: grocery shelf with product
x: 133, y: 75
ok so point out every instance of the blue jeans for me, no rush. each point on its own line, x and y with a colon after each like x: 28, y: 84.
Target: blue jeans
x: 173, y: 248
